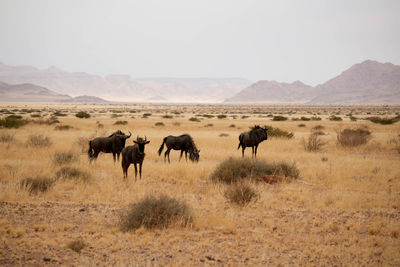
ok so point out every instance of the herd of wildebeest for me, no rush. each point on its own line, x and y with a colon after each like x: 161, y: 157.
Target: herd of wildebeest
x: 115, y: 144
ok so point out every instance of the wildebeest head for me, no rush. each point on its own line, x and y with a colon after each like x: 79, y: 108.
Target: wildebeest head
x: 121, y: 136
x: 141, y: 143
x: 194, y: 154
x: 261, y: 132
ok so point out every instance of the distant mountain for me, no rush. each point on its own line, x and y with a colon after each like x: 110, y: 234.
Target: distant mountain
x: 124, y: 87
x: 33, y: 93
x: 275, y: 92
x: 369, y: 82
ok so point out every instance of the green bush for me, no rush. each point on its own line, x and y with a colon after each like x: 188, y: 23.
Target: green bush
x: 82, y: 115
x: 221, y: 116
x: 156, y: 212
x: 12, y: 121
x: 279, y: 118
x: 234, y: 170
x: 384, y: 121
x: 278, y: 133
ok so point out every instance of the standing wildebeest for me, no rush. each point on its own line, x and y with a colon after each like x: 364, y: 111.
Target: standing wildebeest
x: 134, y: 155
x: 252, y: 138
x: 184, y: 143
x: 112, y: 144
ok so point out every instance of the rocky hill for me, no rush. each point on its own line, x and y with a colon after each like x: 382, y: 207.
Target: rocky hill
x: 369, y: 82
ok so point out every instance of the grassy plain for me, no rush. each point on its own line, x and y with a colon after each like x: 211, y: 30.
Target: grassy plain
x: 343, y: 210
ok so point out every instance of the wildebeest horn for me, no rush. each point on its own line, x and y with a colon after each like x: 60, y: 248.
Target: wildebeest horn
x: 145, y: 138
x: 130, y: 134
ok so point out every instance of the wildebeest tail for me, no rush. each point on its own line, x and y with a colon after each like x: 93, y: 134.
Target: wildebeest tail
x: 90, y: 151
x: 162, y: 146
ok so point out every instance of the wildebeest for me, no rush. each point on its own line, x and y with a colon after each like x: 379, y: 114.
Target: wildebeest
x: 134, y: 155
x: 252, y: 138
x: 111, y: 144
x: 184, y: 143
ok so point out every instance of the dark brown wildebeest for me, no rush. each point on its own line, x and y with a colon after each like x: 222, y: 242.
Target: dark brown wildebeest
x: 184, y: 143
x: 252, y: 138
x: 111, y: 144
x: 134, y: 155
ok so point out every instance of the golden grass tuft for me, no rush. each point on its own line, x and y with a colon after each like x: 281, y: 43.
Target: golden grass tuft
x: 39, y: 141
x: 241, y: 194
x: 77, y: 245
x: 72, y: 173
x: 36, y: 185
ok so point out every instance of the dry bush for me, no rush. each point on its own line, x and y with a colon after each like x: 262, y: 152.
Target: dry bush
x: 395, y: 140
x: 167, y: 117
x: 279, y: 118
x: 335, y: 118
x: 383, y: 121
x: 194, y: 119
x: 234, y: 170
x: 301, y: 125
x: 209, y: 125
x: 6, y: 138
x: 156, y: 212
x: 159, y: 123
x: 353, y: 137
x: 38, y: 140
x: 314, y: 143
x: 50, y: 121
x: 36, y: 185
x: 63, y: 127
x: 120, y: 123
x: 72, y: 173
x: 77, y: 245
x: 82, y: 115
x: 241, y: 194
x: 318, y: 128
x: 61, y: 158
x: 223, y: 135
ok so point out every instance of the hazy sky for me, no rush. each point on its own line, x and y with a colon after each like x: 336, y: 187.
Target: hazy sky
x: 310, y: 41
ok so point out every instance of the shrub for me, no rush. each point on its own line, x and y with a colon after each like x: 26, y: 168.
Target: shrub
x: 221, y: 116
x: 61, y: 158
x: 50, y: 121
x: 159, y: 124
x: 301, y: 125
x: 59, y: 114
x: 35, y: 115
x: 36, y: 185
x: 384, y: 121
x: 209, y: 125
x: 244, y: 117
x: 353, y: 137
x: 352, y: 118
x: 318, y: 127
x: 82, y: 115
x: 314, y: 143
x: 6, y: 138
x: 12, y: 121
x: 208, y: 116
x: 194, y: 119
x: 146, y: 115
x: 234, y: 170
x: 241, y: 194
x: 278, y: 133
x: 223, y: 135
x: 156, y: 212
x: 38, y: 140
x: 120, y: 123
x: 63, y: 127
x: 279, y: 118
x: 77, y: 245
x: 71, y: 173
x: 232, y: 126
x: 167, y: 117
x: 305, y: 119
x: 315, y: 118
x: 335, y: 118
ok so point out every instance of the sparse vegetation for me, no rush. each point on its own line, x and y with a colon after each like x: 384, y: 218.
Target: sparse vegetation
x: 234, y: 170
x: 384, y: 121
x: 156, y: 212
x: 335, y: 118
x: 301, y: 125
x: 314, y: 143
x: 241, y: 194
x: 63, y: 127
x: 221, y: 116
x: 6, y: 138
x: 167, y: 117
x: 194, y: 119
x: 38, y: 140
x: 36, y: 185
x: 12, y: 121
x: 159, y: 123
x: 353, y: 137
x: 77, y: 245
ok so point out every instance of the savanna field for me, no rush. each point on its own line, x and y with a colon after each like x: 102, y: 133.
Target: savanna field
x: 340, y: 207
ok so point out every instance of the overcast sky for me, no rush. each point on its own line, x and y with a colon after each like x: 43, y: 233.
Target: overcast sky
x: 310, y: 41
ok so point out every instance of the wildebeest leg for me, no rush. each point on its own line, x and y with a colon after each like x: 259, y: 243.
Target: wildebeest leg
x: 118, y: 156
x: 243, y: 148
x: 252, y: 151
x: 186, y: 155
x: 140, y: 170
x: 180, y: 157
x: 167, y: 154
x: 114, y: 157
x: 95, y: 155
x: 255, y: 152
x: 135, y: 171
x: 125, y: 167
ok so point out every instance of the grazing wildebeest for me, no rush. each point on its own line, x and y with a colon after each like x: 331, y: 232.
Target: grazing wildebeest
x: 134, y: 155
x: 184, y: 143
x: 252, y: 138
x: 111, y: 144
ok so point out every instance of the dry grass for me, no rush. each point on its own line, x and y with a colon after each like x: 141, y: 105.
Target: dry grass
x: 6, y: 137
x: 77, y: 245
x: 343, y: 210
x: 38, y: 140
x: 72, y: 173
x: 62, y: 158
x: 241, y: 194
x: 314, y: 142
x: 353, y: 137
x: 36, y: 185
